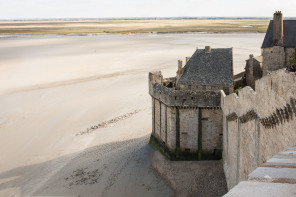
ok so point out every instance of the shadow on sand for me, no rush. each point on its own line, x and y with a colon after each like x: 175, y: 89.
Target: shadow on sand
x: 113, y: 169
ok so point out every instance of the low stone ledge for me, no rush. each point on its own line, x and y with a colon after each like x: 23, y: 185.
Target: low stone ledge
x: 276, y: 177
x: 260, y: 189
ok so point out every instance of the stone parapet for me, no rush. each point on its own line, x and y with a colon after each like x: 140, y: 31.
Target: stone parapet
x: 272, y: 93
x: 276, y: 177
x: 258, y: 124
x: 183, y: 98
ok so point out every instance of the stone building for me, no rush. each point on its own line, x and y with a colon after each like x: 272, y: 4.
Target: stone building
x: 277, y: 47
x: 186, y: 109
x: 253, y: 70
x: 279, y: 43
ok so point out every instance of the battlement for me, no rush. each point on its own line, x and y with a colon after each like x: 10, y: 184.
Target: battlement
x: 180, y: 98
x: 183, y: 98
x: 258, y: 124
x: 272, y: 92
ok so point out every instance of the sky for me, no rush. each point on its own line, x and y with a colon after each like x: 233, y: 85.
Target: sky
x: 35, y: 9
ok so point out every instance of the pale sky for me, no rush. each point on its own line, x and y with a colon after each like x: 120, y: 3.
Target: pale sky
x: 22, y: 9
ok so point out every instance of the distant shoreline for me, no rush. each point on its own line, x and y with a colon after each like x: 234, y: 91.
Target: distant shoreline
x: 43, y: 36
x: 65, y: 27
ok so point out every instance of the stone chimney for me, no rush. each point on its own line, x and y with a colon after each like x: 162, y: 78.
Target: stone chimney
x: 187, y: 59
x: 278, y: 30
x: 179, y: 71
x: 208, y: 49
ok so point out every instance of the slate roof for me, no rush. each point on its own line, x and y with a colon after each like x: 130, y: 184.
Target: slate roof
x: 212, y: 69
x: 289, y: 34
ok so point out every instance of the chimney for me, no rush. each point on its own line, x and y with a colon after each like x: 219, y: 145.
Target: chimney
x: 179, y: 71
x: 179, y: 64
x: 187, y: 59
x: 208, y: 49
x: 278, y: 31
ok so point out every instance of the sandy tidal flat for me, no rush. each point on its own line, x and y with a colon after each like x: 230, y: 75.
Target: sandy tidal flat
x: 134, y: 26
x: 53, y: 89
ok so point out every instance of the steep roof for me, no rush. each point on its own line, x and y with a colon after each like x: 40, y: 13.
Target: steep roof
x: 213, y: 69
x: 289, y: 34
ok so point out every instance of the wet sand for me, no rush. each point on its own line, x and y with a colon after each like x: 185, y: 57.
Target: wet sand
x: 53, y: 90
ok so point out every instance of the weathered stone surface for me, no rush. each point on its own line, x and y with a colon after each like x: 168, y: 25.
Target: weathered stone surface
x: 259, y: 189
x: 231, y: 160
x: 171, y: 128
x: 187, y: 123
x: 275, y: 177
x: 163, y: 123
x: 248, y: 160
x: 181, y: 98
x: 273, y: 59
x: 268, y: 174
x: 275, y: 128
x: 157, y: 119
x: 189, y: 129
x: 212, y: 129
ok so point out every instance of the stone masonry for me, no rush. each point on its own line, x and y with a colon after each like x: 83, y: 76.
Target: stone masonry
x: 258, y: 124
x: 279, y: 43
x: 186, y: 109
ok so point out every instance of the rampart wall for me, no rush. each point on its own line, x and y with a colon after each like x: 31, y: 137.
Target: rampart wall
x: 180, y: 98
x: 276, y: 57
x: 258, y: 124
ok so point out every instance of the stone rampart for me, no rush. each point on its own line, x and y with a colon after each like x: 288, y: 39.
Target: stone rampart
x: 276, y: 177
x: 183, y: 98
x: 180, y: 98
x: 258, y: 124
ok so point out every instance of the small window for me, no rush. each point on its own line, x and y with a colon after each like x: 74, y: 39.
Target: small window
x: 187, y: 150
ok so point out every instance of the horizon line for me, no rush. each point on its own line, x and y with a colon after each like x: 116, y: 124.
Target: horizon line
x: 137, y: 18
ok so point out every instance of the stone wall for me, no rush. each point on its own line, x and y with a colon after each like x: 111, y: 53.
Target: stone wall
x: 175, y: 98
x: 212, y: 129
x: 276, y: 177
x: 180, y: 98
x: 258, y: 124
x: 188, y: 130
x: 157, y: 123
x: 171, y: 128
x: 275, y: 57
x: 179, y: 130
x: 226, y: 89
x: 253, y: 71
x: 288, y: 52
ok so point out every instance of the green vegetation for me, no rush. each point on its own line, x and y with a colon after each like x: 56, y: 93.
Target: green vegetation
x: 155, y: 145
x: 292, y: 61
x: 236, y: 90
x: 177, y: 156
